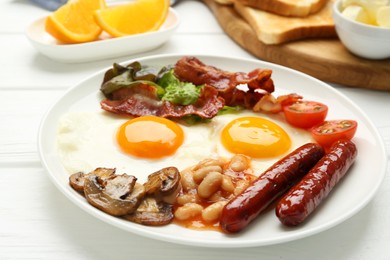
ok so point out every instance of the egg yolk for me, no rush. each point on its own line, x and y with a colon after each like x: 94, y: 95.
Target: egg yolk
x: 255, y: 137
x: 150, y: 137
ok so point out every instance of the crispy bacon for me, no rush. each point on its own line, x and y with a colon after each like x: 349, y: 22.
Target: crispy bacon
x: 250, y: 90
x: 142, y: 100
x: 258, y: 81
x: 268, y: 103
x: 193, y: 70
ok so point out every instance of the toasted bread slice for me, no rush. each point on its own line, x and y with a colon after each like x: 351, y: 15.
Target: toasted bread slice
x: 297, y: 8
x: 224, y: 2
x: 275, y: 29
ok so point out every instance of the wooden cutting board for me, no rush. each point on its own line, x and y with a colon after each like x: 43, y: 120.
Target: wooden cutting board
x: 325, y: 59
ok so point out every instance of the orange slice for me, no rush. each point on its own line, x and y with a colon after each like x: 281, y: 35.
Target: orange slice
x: 136, y: 17
x: 74, y: 22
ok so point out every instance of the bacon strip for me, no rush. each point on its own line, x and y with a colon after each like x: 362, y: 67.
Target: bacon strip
x: 193, y: 70
x: 270, y: 104
x: 221, y: 88
x: 142, y: 100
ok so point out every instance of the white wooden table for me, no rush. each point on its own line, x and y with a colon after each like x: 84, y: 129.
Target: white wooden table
x: 38, y: 222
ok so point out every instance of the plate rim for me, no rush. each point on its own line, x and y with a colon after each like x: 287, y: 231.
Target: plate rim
x: 137, y: 230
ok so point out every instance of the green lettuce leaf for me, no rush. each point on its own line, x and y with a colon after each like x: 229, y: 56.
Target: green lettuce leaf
x: 230, y: 110
x: 126, y: 77
x: 177, y: 92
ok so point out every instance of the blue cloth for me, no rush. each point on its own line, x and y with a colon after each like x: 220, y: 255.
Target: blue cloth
x: 50, y: 5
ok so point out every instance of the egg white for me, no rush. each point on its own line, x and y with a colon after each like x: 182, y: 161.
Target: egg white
x: 87, y: 140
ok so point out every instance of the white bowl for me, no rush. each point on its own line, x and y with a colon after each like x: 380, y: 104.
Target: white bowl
x: 103, y: 48
x: 363, y: 40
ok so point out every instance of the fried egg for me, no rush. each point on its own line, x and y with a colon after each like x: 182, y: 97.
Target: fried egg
x: 265, y: 138
x: 255, y: 137
x: 87, y: 140
x: 150, y: 137
x: 140, y: 146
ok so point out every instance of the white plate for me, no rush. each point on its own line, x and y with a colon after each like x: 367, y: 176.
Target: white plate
x: 103, y: 48
x: 359, y: 186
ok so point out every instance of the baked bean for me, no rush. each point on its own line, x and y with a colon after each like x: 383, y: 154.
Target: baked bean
x: 201, y: 173
x: 239, y: 163
x: 188, y: 211
x: 213, y: 182
x: 187, y: 198
x: 241, y: 185
x: 217, y: 196
x: 213, y: 212
x: 209, y: 162
x: 187, y: 180
x: 210, y: 184
x: 227, y: 184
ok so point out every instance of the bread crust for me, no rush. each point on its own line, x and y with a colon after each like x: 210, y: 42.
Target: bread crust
x: 293, y: 8
x: 276, y: 29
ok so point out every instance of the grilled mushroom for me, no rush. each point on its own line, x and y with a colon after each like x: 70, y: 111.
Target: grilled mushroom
x: 76, y: 180
x: 161, y: 190
x: 117, y: 195
x: 152, y: 213
x: 164, y: 184
x: 120, y: 195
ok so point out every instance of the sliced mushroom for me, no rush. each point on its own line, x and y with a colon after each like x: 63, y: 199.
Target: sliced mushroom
x: 76, y: 180
x: 163, y: 184
x: 152, y: 213
x: 118, y: 195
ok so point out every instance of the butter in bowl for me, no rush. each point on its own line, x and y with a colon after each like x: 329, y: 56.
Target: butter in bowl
x: 363, y: 26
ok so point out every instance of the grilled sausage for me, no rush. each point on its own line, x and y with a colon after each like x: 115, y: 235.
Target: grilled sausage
x: 246, y: 206
x: 306, y: 195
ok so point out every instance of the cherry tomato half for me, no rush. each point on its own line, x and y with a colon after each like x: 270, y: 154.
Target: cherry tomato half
x: 305, y: 114
x: 328, y: 132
